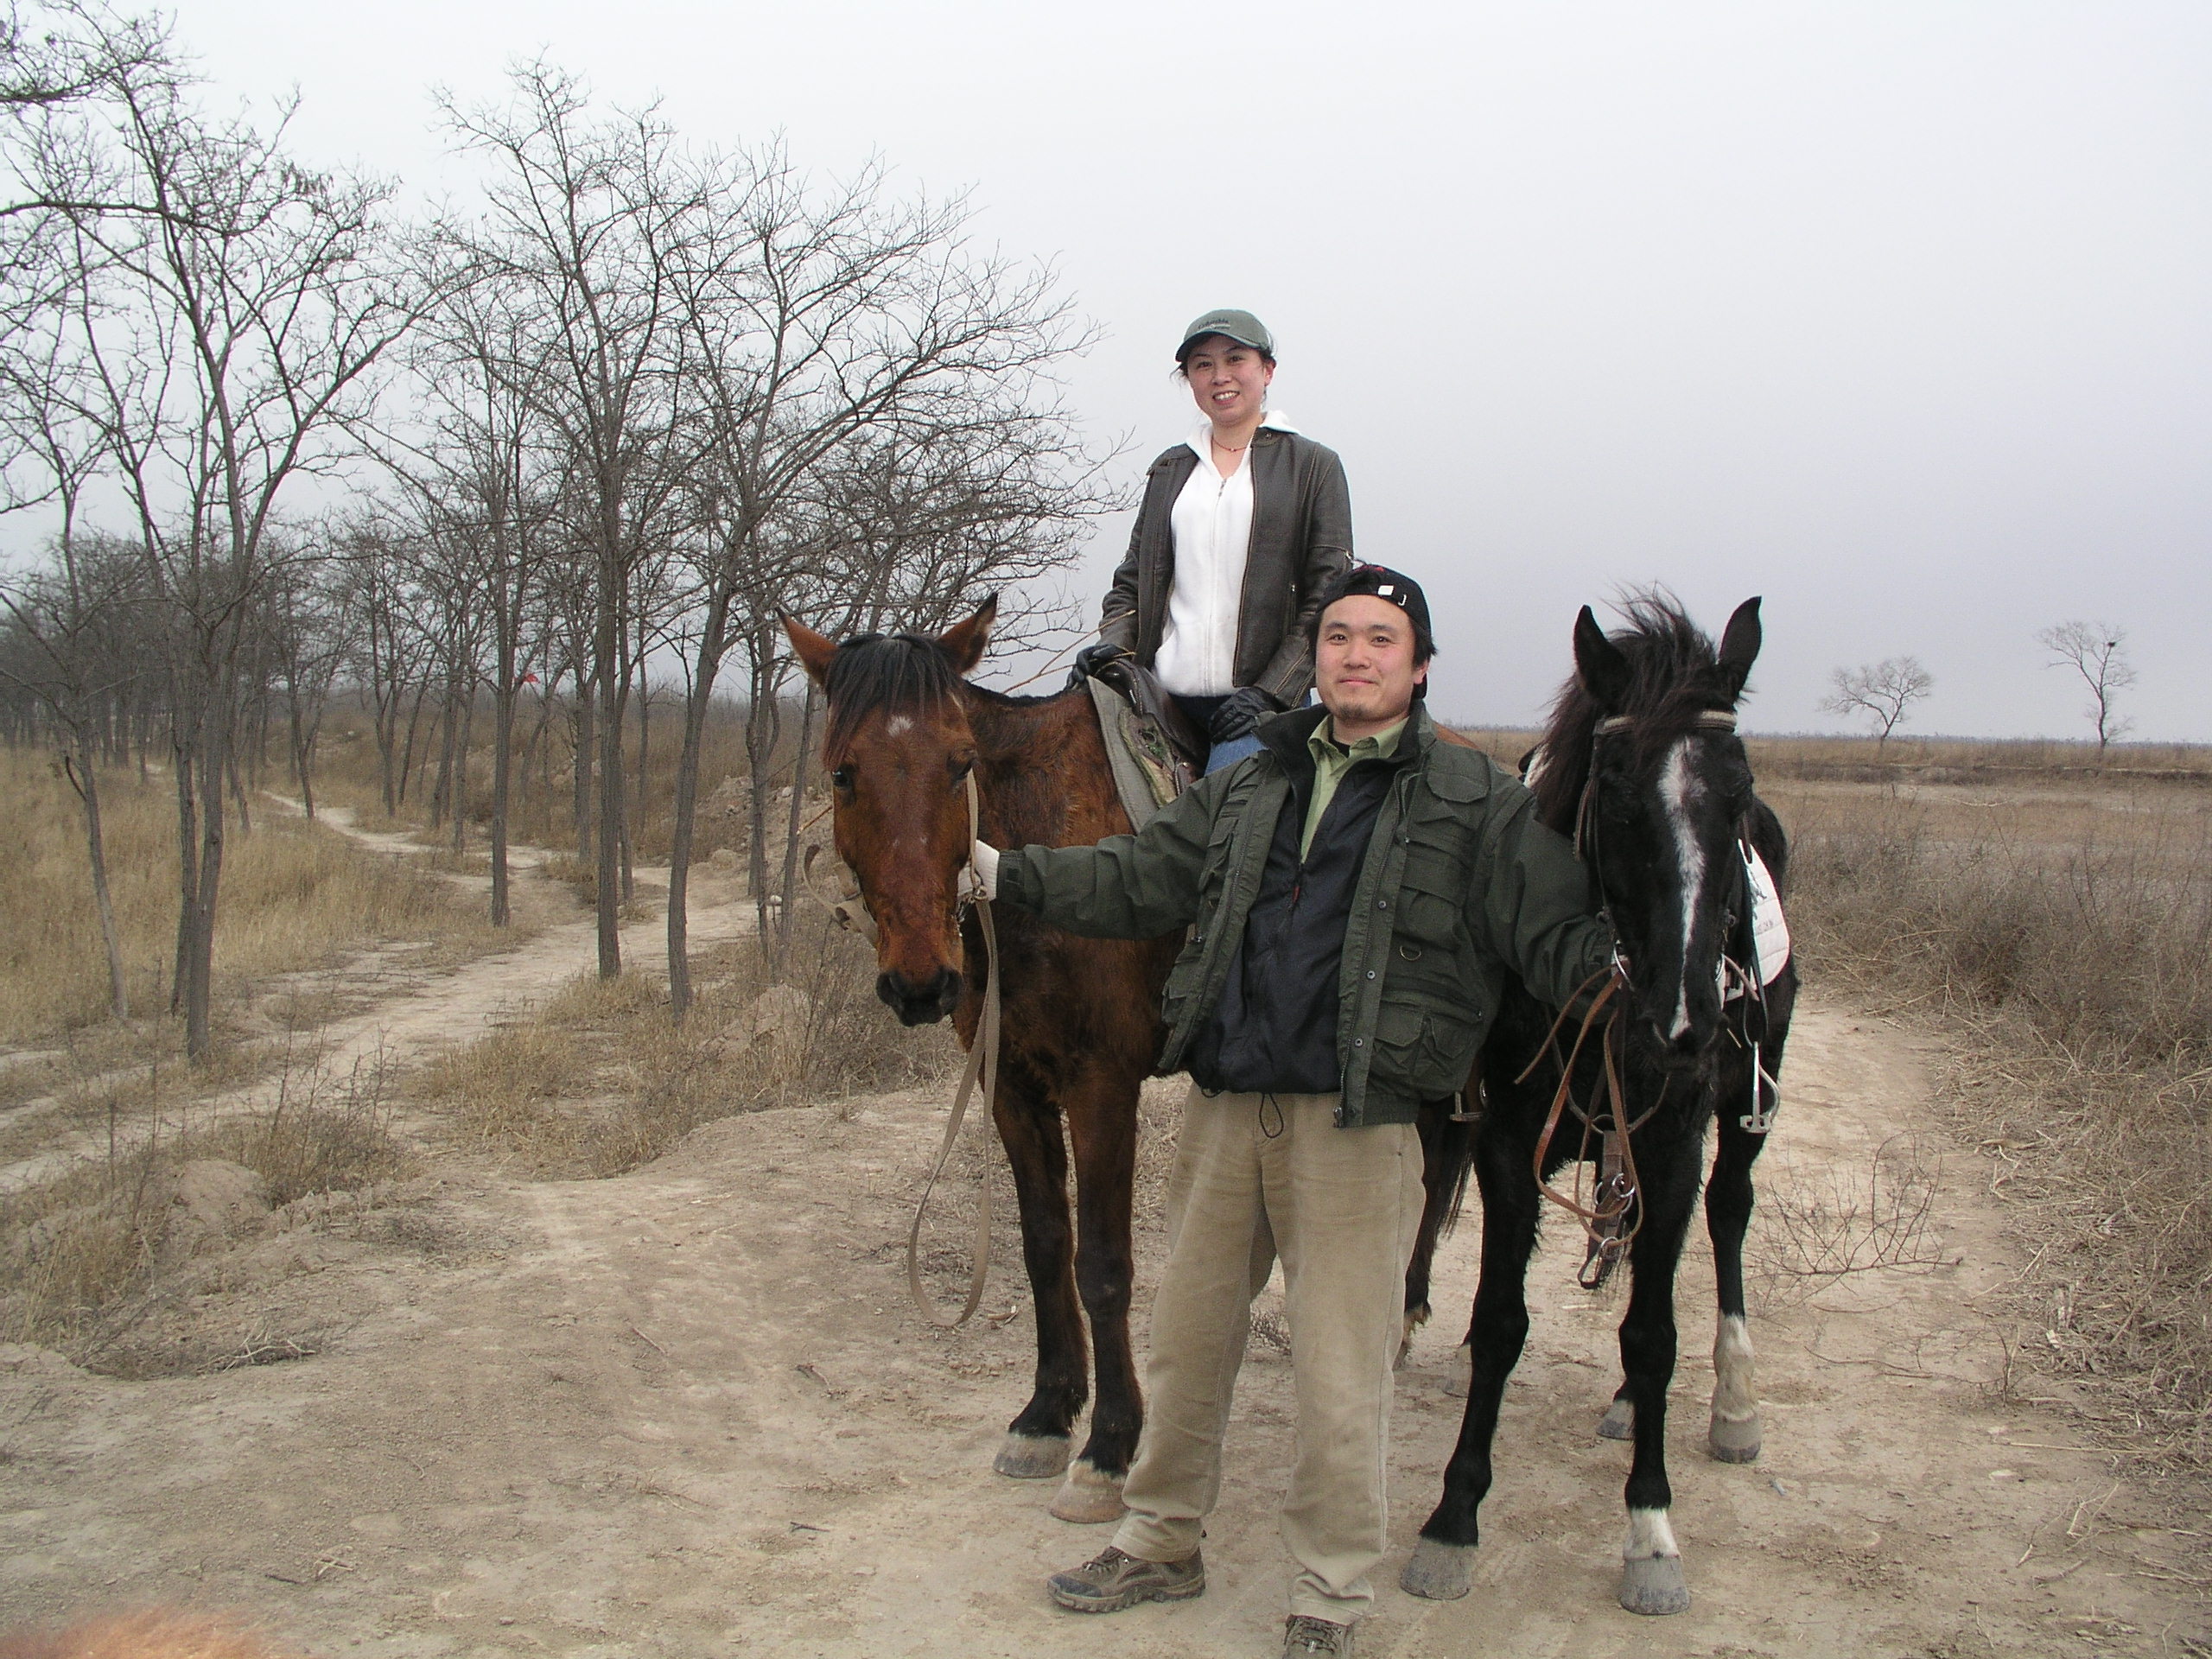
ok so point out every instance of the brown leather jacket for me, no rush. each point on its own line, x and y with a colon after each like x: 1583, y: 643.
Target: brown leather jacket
x: 1301, y: 538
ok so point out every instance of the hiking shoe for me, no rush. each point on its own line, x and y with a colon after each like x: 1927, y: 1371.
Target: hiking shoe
x: 1113, y: 1580
x: 1303, y: 1637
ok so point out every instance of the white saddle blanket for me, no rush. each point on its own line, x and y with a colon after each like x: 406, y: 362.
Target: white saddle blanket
x: 1769, y: 927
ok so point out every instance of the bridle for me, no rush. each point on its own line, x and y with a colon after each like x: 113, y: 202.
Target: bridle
x: 1611, y: 1216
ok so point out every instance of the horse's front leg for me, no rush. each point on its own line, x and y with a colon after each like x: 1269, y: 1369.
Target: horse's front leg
x: 1037, y: 1440
x: 1101, y: 1104
x: 1442, y: 1567
x: 1651, y: 1564
x: 1735, y: 1435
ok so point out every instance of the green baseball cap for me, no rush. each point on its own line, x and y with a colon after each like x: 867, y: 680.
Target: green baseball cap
x: 1240, y: 326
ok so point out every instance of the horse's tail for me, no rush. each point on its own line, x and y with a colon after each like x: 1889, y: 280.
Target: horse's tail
x: 1456, y: 1148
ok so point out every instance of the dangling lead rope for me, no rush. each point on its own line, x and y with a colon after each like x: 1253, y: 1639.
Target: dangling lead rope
x: 981, y: 1071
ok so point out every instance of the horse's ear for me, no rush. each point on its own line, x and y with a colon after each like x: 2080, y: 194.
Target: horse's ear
x: 1739, y: 645
x: 964, y: 641
x: 815, y: 650
x: 1598, y: 663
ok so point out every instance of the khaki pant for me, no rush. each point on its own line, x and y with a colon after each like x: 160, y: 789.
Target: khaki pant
x: 1257, y: 1176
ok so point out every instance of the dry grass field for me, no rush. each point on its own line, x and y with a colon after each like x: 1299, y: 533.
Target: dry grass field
x: 596, y: 1082
x: 294, y: 897
x: 2058, y: 929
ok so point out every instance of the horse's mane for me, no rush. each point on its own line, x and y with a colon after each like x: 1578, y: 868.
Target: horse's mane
x: 895, y: 673
x: 1675, y: 676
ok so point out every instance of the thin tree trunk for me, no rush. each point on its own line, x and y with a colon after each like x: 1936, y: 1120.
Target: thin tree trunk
x: 461, y: 770
x: 88, y: 789
x: 187, y: 849
x: 608, y: 650
x: 300, y: 756
x: 407, y: 755
x: 791, y: 831
x: 711, y: 642
x: 587, y: 740
x: 200, y: 968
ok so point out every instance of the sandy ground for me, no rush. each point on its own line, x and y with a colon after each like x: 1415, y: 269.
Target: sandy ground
x: 690, y: 1411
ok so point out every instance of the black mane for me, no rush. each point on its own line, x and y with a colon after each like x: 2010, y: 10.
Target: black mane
x: 900, y: 673
x: 897, y: 673
x: 1675, y: 677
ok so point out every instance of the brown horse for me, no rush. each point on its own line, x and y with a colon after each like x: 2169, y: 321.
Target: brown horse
x: 1081, y: 1016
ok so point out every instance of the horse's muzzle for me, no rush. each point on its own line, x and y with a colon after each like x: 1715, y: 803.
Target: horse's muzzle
x: 924, y: 1004
x: 1689, y: 1051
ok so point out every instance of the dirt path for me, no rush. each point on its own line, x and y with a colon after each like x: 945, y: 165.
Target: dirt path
x: 688, y: 1412
x: 411, y: 1013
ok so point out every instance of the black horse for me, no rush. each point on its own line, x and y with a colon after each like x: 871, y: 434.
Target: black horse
x: 1641, y: 763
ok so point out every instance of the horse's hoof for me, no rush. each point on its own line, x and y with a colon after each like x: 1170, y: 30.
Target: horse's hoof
x: 1415, y: 1318
x: 1735, y: 1442
x: 1438, y: 1571
x: 1088, y: 1497
x: 1032, y: 1457
x: 1459, y: 1375
x: 1619, y: 1421
x: 1655, y: 1587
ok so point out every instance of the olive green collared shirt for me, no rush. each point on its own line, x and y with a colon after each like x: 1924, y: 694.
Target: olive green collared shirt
x: 1331, y: 760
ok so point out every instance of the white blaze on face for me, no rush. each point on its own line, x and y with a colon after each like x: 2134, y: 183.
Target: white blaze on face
x: 1678, y: 793
x: 1651, y: 1536
x: 898, y: 725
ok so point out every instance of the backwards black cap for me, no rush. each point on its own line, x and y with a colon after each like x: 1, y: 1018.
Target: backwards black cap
x: 1383, y: 583
x: 1393, y: 585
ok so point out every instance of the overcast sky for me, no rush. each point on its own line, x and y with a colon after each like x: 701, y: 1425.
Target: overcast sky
x: 1894, y: 313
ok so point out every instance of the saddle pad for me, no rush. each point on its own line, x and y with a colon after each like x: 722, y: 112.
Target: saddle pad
x: 1146, y: 775
x: 1769, y: 927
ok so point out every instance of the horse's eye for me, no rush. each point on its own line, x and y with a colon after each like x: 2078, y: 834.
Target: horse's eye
x: 960, y: 766
x: 843, y: 777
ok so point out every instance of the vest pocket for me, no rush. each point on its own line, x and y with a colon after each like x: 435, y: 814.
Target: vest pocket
x: 1424, y: 1047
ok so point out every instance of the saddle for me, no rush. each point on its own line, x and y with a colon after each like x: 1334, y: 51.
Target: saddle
x: 1155, y: 753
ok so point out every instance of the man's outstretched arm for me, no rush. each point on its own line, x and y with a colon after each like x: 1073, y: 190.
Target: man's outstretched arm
x: 1127, y: 886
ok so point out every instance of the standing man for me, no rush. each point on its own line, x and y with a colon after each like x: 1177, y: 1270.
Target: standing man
x: 1358, y: 890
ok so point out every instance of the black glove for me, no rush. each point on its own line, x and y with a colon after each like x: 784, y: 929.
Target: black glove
x: 1240, y: 712
x: 1092, y: 657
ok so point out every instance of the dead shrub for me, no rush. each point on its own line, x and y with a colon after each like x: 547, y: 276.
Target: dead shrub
x: 2067, y: 946
x: 1813, y: 1228
x: 601, y: 1079
x: 86, y: 1247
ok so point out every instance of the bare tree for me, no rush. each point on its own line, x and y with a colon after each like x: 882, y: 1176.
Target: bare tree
x: 70, y: 651
x: 2097, y: 651
x: 826, y: 324
x: 228, y: 305
x: 580, y: 227
x: 1883, y: 692
x: 71, y: 51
